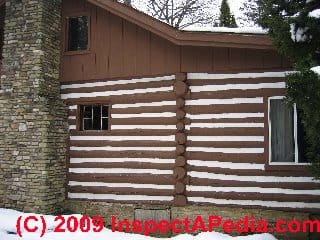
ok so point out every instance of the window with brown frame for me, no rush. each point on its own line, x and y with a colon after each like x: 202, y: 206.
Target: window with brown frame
x: 94, y: 117
x: 78, y: 33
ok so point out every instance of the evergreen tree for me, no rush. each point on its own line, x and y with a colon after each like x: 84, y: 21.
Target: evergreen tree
x: 294, y: 26
x: 226, y: 18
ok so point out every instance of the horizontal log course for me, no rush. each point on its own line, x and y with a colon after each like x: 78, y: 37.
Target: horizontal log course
x: 121, y: 191
x: 232, y: 183
x: 200, y: 82
x: 257, y: 196
x: 238, y: 93
x: 122, y: 178
x: 129, y: 86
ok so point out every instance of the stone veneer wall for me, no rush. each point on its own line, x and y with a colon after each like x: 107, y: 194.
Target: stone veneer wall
x: 33, y: 119
x: 127, y: 211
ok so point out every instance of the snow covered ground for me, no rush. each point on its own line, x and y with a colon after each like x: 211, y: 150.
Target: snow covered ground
x: 8, y: 231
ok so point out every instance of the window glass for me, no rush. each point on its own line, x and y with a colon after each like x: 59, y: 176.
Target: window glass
x: 282, y: 131
x: 94, y: 117
x: 78, y: 33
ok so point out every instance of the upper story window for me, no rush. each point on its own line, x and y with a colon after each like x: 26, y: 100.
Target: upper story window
x: 285, y: 133
x: 94, y: 117
x: 78, y: 30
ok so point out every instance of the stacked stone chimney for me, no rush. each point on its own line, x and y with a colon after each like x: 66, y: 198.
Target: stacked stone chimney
x: 33, y: 119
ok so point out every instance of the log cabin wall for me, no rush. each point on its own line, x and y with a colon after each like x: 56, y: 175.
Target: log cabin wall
x: 118, y: 48
x: 185, y: 138
x: 177, y: 134
x: 228, y: 145
x: 135, y: 159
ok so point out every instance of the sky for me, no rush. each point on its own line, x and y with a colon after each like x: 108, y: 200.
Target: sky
x: 235, y: 6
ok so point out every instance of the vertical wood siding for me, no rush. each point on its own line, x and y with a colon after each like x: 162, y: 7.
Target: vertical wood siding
x: 119, y: 48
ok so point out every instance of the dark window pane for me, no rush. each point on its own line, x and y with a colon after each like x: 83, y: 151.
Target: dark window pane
x: 87, y: 124
x: 105, y: 123
x: 78, y: 33
x: 282, y: 132
x: 302, y: 145
x: 87, y: 113
x: 97, y: 117
x: 92, y: 119
x: 105, y: 111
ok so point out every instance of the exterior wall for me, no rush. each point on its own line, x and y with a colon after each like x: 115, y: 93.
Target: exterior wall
x: 33, y: 119
x: 139, y: 149
x: 119, y: 48
x: 201, y: 139
x: 228, y: 145
x: 127, y: 211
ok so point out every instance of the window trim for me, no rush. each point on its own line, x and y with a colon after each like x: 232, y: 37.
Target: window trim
x: 295, y: 132
x: 79, y: 118
x: 66, y: 38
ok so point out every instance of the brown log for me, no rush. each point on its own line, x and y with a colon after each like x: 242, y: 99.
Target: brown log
x: 181, y: 149
x: 180, y: 200
x: 180, y: 102
x: 181, y: 76
x: 187, y: 121
x: 180, y: 126
x: 181, y: 161
x: 181, y: 138
x: 179, y: 173
x: 180, y: 187
x: 180, y: 88
x: 181, y: 114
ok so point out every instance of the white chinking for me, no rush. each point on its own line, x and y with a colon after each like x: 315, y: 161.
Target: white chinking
x: 121, y: 160
x: 115, y: 93
x: 226, y: 138
x: 228, y: 177
x: 118, y: 82
x: 205, y: 102
x: 213, y: 88
x: 124, y: 138
x: 117, y: 197
x: 224, y: 115
x: 110, y: 148
x: 227, y: 165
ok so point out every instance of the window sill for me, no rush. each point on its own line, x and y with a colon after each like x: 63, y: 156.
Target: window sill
x: 91, y: 132
x: 78, y: 52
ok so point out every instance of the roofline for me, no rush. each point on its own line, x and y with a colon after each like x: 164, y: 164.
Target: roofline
x: 184, y: 38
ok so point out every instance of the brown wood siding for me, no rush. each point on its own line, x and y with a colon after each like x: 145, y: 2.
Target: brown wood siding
x: 120, y: 49
x: 117, y: 166
x: 230, y: 170
x: 226, y: 147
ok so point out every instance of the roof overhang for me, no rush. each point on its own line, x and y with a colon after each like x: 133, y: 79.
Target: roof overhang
x: 184, y: 38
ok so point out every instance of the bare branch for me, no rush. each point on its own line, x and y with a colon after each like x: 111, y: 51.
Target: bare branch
x: 183, y: 13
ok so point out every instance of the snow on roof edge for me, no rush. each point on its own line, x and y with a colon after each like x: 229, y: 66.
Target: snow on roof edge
x: 247, y: 30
